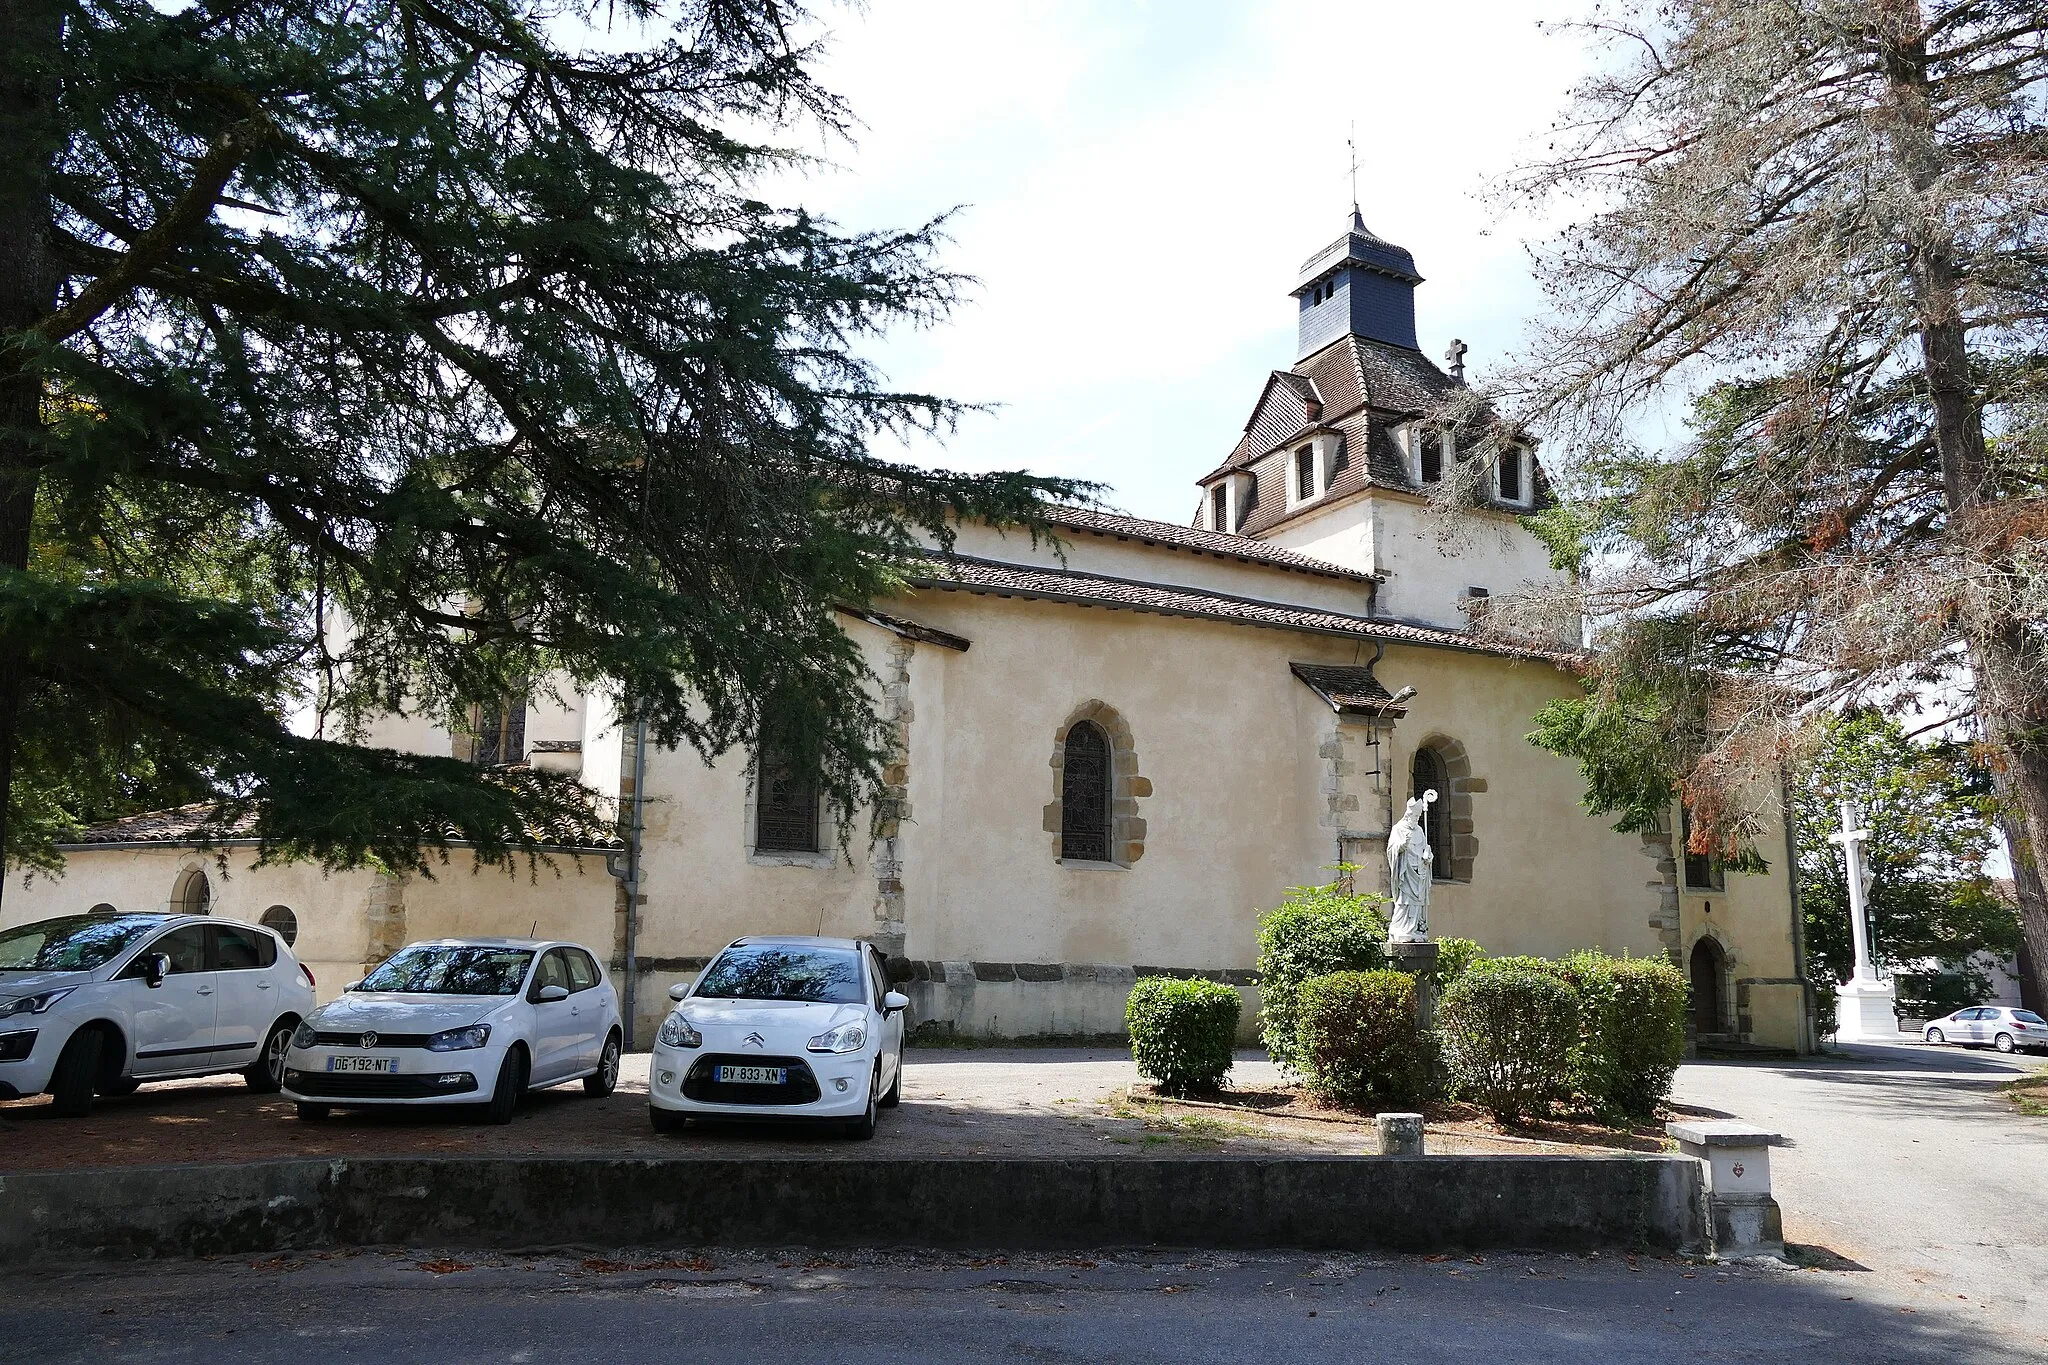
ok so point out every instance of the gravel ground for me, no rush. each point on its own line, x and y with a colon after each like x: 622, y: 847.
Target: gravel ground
x: 981, y: 1102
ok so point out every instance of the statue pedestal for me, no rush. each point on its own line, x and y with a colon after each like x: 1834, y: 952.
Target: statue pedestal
x: 1866, y: 1012
x: 1418, y: 959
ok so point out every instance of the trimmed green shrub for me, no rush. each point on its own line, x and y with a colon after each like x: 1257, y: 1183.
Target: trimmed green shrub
x: 1508, y: 1032
x: 1317, y: 930
x: 1454, y: 957
x: 1358, y: 1041
x: 1182, y: 1032
x: 1631, y: 1032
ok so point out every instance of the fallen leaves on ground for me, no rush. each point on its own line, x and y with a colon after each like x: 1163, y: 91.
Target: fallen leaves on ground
x: 444, y: 1265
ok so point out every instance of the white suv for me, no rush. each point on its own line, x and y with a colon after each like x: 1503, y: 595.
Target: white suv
x: 101, y: 1003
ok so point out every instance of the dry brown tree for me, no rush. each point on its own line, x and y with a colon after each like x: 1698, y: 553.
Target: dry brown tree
x: 1807, y: 235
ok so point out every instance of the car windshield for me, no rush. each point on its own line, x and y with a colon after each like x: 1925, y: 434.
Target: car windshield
x: 75, y: 943
x: 784, y: 971
x: 450, y: 969
x: 2029, y: 1017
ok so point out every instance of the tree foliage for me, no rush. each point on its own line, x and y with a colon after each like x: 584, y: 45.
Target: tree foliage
x: 1813, y: 230
x: 1929, y: 810
x: 390, y: 355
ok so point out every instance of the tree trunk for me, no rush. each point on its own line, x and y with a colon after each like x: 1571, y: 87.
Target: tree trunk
x: 30, y: 33
x: 2012, y: 700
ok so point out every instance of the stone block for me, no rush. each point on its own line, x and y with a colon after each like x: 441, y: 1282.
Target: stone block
x: 1400, y: 1134
x: 1468, y: 784
x: 1141, y: 786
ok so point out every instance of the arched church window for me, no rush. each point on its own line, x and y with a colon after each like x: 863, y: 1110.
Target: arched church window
x: 1085, y: 778
x: 280, y: 920
x: 1429, y: 774
x: 193, y: 894
x: 1305, y: 473
x: 785, y: 805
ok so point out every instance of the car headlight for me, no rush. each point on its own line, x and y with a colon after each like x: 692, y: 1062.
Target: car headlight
x: 305, y: 1035
x: 845, y: 1038
x: 33, y: 1004
x: 459, y: 1039
x: 676, y: 1032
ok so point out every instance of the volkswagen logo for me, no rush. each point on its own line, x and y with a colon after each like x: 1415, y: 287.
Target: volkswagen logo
x: 369, y: 1040
x: 753, y: 1040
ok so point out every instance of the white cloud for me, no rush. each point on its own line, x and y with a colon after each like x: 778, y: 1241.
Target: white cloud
x: 1141, y: 182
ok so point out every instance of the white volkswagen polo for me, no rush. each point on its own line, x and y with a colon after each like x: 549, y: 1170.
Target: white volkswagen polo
x: 456, y: 1021
x: 801, y: 1028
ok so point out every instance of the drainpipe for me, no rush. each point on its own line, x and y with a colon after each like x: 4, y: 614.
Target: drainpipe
x: 633, y: 830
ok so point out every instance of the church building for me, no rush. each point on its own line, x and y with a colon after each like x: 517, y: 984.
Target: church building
x: 1113, y: 754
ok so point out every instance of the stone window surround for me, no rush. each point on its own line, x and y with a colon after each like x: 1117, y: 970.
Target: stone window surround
x: 826, y: 855
x: 1127, y: 788
x: 1456, y: 804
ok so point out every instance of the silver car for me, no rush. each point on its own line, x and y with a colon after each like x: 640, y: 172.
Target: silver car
x: 1999, y: 1026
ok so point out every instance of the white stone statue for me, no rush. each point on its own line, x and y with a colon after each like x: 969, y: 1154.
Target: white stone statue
x: 1410, y: 855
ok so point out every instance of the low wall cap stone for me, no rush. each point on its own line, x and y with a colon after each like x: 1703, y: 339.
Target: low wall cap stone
x: 1721, y: 1133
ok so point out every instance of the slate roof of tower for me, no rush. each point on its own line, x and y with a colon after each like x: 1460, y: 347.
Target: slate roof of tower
x: 1360, y: 245
x: 1366, y: 388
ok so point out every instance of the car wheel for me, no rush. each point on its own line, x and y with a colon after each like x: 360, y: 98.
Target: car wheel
x: 895, y: 1095
x: 313, y: 1113
x: 265, y: 1075
x: 863, y: 1128
x: 1935, y: 1035
x: 118, y: 1086
x: 666, y: 1120
x: 76, y: 1073
x: 511, y: 1087
x: 605, y: 1079
x: 2004, y: 1042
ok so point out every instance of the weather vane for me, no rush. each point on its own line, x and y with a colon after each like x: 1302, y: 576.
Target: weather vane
x: 1351, y: 143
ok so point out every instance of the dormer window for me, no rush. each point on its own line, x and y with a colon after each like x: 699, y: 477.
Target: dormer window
x: 1305, y: 473
x: 1425, y: 450
x: 1219, y: 508
x: 1511, y: 476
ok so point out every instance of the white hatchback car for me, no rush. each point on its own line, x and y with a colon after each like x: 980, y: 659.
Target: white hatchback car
x: 101, y: 1003
x: 1999, y: 1026
x: 802, y: 1028
x: 455, y: 1021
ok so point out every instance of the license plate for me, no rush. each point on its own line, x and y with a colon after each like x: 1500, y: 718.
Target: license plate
x: 753, y: 1075
x: 374, y: 1065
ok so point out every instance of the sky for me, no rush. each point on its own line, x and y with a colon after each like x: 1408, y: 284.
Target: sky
x: 1137, y: 183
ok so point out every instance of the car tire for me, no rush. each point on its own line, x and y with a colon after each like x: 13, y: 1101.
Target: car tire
x: 863, y: 1128
x: 265, y: 1075
x: 605, y: 1079
x: 895, y: 1095
x: 2004, y: 1042
x: 1936, y: 1036
x: 117, y: 1087
x: 313, y: 1113
x: 511, y: 1087
x: 76, y: 1074
x: 667, y: 1120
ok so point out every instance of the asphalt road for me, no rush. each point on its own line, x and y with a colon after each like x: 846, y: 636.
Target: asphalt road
x: 1907, y: 1160
x: 1174, y: 1309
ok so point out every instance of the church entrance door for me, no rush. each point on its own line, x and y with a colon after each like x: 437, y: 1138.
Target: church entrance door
x: 1708, y: 964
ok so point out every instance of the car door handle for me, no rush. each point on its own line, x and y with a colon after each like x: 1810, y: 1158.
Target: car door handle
x: 204, y: 990
x: 263, y: 985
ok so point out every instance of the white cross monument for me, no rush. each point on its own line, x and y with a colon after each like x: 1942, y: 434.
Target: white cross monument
x: 1865, y: 1005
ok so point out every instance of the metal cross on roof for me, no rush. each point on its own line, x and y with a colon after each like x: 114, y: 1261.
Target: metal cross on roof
x: 1351, y: 143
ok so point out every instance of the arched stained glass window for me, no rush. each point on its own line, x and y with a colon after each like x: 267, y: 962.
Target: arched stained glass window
x: 1084, y: 794
x: 1429, y: 774
x: 786, y: 806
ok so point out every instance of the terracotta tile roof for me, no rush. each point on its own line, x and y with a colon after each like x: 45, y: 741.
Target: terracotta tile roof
x: 1195, y: 538
x: 962, y: 573
x: 1351, y: 690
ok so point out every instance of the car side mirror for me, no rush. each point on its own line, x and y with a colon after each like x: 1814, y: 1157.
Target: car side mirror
x: 895, y: 1002
x: 679, y: 991
x: 155, y: 968
x: 548, y: 995
x: 353, y: 986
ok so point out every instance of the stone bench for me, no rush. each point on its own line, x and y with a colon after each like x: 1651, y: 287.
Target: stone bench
x: 1742, y: 1215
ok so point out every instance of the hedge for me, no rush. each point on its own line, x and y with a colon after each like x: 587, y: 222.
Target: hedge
x: 1631, y: 1034
x: 1358, y: 1040
x: 1508, y: 1031
x: 1316, y: 931
x: 1182, y: 1032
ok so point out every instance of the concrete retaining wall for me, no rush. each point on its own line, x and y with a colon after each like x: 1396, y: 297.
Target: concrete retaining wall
x: 1359, y: 1202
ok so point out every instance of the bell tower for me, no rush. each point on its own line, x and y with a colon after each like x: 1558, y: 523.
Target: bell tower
x: 1358, y: 285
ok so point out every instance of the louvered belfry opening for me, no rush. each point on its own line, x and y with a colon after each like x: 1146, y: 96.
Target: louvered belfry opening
x: 785, y: 805
x: 1305, y: 473
x: 1511, y: 475
x: 1085, y: 780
